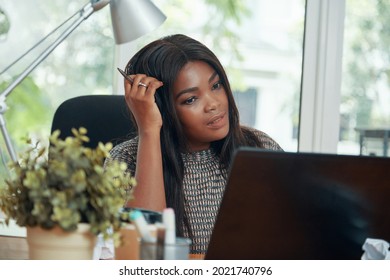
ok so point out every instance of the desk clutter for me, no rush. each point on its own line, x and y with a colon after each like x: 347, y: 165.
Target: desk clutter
x: 376, y: 249
x: 147, y: 235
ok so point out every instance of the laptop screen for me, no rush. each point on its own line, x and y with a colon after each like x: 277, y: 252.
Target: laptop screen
x: 281, y: 205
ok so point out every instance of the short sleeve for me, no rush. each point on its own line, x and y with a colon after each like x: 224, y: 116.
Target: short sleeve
x: 125, y: 152
x: 267, y: 141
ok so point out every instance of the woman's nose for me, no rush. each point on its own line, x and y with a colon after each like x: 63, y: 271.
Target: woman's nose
x: 211, y: 103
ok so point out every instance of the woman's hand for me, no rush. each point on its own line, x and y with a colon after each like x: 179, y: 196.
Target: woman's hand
x: 140, y: 98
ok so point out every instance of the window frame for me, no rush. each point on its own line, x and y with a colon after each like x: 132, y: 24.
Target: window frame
x: 319, y: 122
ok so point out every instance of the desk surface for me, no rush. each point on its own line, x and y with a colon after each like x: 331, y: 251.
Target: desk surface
x: 16, y: 248
x: 13, y: 248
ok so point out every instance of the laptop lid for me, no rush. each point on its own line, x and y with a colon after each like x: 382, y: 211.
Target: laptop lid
x: 281, y: 205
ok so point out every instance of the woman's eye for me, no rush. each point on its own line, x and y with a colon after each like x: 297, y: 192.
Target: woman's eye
x: 189, y: 100
x: 217, y: 85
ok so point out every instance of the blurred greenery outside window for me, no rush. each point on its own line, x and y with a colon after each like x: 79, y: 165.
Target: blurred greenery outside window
x: 259, y: 44
x: 365, y: 90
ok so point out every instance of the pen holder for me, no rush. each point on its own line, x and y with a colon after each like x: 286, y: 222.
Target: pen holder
x: 178, y: 251
x: 129, y: 249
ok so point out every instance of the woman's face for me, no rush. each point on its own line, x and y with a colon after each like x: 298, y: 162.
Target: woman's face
x: 201, y: 105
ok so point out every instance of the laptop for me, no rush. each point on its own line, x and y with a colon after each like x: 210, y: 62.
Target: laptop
x: 301, y: 206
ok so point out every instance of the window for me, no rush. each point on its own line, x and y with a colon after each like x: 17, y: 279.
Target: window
x: 365, y: 90
x: 76, y: 67
x: 247, y: 104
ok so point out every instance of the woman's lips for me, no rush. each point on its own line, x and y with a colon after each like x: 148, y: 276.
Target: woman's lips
x: 217, y: 121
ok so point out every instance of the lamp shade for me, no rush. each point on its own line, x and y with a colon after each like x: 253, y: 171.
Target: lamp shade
x: 133, y: 18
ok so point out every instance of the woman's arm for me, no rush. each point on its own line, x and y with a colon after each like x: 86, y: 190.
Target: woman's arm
x: 149, y: 192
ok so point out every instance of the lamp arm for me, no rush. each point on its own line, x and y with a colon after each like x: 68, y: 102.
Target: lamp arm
x: 85, y: 12
x: 7, y: 139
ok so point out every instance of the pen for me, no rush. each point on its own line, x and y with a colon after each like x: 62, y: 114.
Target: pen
x: 125, y: 76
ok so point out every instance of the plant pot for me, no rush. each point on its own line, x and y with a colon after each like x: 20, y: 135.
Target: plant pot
x: 56, y: 244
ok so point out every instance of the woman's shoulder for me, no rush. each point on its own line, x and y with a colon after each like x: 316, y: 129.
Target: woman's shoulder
x: 125, y: 149
x: 267, y: 141
x: 124, y: 152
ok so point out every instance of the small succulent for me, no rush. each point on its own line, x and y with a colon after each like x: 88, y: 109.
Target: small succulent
x: 66, y: 186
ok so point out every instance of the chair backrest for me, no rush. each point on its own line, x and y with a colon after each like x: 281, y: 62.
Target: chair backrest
x: 106, y: 117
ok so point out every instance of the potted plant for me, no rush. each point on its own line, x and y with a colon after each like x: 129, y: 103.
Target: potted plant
x: 66, y: 191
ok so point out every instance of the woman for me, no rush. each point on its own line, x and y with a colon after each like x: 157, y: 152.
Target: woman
x: 188, y: 128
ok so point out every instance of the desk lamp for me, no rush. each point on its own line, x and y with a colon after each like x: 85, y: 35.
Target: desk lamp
x: 130, y: 20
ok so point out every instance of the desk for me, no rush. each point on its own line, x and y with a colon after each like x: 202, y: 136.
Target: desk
x: 13, y: 248
x: 375, y: 133
x: 16, y: 248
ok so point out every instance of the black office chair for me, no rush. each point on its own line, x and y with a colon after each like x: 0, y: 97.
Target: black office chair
x: 106, y: 117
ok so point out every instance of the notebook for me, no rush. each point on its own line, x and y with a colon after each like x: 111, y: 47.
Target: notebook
x: 282, y: 205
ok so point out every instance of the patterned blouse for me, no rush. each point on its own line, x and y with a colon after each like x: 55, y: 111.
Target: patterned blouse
x: 203, y: 184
